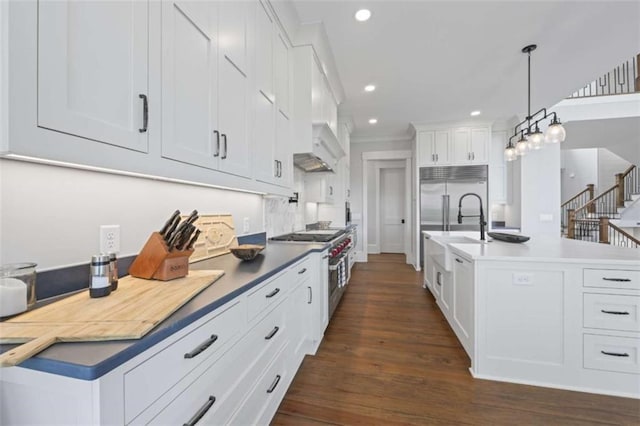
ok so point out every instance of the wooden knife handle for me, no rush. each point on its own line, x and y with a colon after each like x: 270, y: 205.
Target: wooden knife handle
x: 25, y: 351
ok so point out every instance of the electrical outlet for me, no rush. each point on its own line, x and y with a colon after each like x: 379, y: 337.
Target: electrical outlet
x: 246, y: 225
x: 520, y: 278
x: 110, y: 238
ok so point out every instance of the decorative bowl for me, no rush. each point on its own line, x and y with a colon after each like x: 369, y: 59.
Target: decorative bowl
x: 246, y: 251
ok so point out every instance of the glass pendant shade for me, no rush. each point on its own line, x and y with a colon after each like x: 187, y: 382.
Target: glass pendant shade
x: 522, y: 147
x: 535, y: 139
x: 555, y: 133
x: 510, y: 153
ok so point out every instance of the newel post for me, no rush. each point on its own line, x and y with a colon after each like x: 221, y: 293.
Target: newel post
x: 638, y: 77
x: 620, y: 190
x: 571, y: 228
x: 604, y: 230
x: 591, y: 208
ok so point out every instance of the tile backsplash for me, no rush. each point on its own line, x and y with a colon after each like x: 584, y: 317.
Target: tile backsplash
x: 281, y: 217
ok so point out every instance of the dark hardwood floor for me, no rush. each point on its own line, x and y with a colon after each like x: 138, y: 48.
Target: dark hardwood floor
x: 389, y: 357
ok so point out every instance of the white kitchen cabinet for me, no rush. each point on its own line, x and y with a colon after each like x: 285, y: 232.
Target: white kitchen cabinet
x: 445, y: 286
x: 433, y: 148
x: 463, y: 302
x: 283, y: 151
x: 241, y: 364
x: 264, y: 52
x: 282, y: 74
x: 320, y: 187
x: 93, y: 79
x: 190, y: 128
x: 470, y: 145
x: 233, y: 29
x: 265, y: 166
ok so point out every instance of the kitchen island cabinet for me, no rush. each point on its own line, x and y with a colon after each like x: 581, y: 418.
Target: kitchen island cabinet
x: 550, y: 312
x: 228, y: 354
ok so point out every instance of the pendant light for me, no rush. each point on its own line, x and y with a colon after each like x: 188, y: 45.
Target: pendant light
x: 531, y: 137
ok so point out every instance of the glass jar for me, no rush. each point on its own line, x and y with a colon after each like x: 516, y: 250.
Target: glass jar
x: 11, y: 275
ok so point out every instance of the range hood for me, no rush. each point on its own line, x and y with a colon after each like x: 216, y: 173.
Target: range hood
x: 325, y: 151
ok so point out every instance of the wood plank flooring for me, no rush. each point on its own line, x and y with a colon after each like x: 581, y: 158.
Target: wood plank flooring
x: 389, y: 357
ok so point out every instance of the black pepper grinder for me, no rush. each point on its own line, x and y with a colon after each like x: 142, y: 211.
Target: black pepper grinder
x: 100, y: 277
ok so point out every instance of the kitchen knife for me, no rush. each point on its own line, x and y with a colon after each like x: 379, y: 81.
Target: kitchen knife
x: 192, y: 217
x: 169, y: 222
x: 170, y: 232
x: 183, y: 241
x: 174, y: 239
x: 193, y: 239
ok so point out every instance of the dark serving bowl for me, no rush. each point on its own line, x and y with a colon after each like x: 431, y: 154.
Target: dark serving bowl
x: 246, y: 251
x: 508, y: 238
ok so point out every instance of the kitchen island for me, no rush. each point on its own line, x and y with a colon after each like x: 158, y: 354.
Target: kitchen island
x: 549, y: 312
x: 229, y: 353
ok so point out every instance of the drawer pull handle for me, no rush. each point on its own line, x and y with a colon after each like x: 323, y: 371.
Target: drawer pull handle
x: 197, y: 351
x: 272, y: 333
x: 618, y: 280
x: 458, y: 260
x: 310, y: 295
x: 302, y: 271
x: 615, y: 354
x: 614, y: 312
x: 274, y: 384
x: 273, y: 293
x: 145, y: 113
x: 201, y: 412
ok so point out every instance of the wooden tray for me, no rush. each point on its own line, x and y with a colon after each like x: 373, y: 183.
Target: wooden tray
x: 217, y: 234
x: 134, y: 309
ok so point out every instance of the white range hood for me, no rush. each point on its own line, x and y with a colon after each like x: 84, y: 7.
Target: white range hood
x: 324, y: 153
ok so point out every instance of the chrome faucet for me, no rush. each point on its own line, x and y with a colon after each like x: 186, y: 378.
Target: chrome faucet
x: 481, y: 215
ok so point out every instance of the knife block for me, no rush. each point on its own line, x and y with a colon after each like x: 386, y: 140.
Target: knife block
x: 155, y: 261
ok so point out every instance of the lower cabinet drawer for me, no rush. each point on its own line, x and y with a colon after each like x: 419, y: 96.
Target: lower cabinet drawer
x: 612, y: 312
x: 612, y: 278
x: 611, y: 353
x: 268, y: 294
x: 149, y: 380
x: 268, y: 391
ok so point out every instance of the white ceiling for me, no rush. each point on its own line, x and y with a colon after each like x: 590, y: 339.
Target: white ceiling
x: 436, y: 61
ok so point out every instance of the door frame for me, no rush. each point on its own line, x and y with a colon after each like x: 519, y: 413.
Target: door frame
x: 379, y: 167
x: 385, y: 155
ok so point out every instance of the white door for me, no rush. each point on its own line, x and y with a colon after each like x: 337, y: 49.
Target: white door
x: 93, y: 70
x: 392, y: 193
x: 189, y: 84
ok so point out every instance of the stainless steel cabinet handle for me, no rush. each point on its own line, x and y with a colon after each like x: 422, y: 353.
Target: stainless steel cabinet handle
x: 224, y: 140
x: 618, y: 280
x: 145, y: 113
x: 615, y: 354
x: 614, y: 312
x: 275, y: 173
x: 433, y: 157
x: 279, y: 168
x: 272, y: 333
x: 273, y: 293
x: 302, y: 271
x: 458, y: 260
x: 201, y: 412
x: 437, y: 157
x: 310, y: 295
x: 438, y: 275
x: 197, y: 351
x: 217, y: 153
x: 274, y: 384
x: 473, y: 155
x: 330, y: 190
x: 326, y: 256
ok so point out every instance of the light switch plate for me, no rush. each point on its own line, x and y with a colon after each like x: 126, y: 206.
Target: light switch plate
x: 546, y: 217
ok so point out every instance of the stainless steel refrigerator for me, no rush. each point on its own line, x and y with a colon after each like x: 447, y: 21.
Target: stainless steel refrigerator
x: 440, y: 192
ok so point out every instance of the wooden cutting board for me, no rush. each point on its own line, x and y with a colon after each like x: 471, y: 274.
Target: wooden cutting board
x: 217, y: 234
x: 130, y: 312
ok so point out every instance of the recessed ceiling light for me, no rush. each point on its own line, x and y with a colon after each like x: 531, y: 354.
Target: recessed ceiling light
x: 369, y: 88
x: 475, y: 113
x: 363, y: 15
x: 373, y: 120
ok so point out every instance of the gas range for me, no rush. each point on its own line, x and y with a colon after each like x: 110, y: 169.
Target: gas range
x: 313, y: 236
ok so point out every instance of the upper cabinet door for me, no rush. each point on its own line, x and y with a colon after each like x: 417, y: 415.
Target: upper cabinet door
x: 283, y: 67
x: 189, y: 84
x: 92, y: 78
x: 461, y: 140
x: 479, y: 146
x: 441, y: 147
x: 426, y: 156
x: 233, y: 116
x: 233, y: 31
x: 264, y: 52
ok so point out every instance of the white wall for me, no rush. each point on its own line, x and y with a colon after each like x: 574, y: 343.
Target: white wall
x: 609, y: 164
x: 51, y: 215
x: 579, y: 168
x: 282, y: 217
x: 540, y: 192
x: 357, y: 149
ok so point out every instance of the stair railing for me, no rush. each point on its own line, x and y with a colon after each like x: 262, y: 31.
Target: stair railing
x: 575, y: 202
x: 599, y: 231
x: 629, y: 182
x: 621, y: 80
x: 605, y: 204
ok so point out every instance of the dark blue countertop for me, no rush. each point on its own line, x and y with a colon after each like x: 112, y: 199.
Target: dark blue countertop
x: 90, y: 360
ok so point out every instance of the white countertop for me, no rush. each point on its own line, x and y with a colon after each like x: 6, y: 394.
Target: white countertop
x: 542, y: 249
